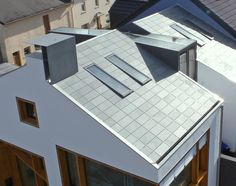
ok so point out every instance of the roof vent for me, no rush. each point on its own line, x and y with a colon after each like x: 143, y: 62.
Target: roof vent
x: 59, y: 56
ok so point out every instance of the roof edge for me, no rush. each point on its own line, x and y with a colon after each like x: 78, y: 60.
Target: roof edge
x: 35, y: 14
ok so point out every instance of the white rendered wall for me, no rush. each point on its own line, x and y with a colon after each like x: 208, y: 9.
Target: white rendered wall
x: 226, y: 89
x: 61, y: 123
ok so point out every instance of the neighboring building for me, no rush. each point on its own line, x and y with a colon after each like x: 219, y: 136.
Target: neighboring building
x: 22, y: 20
x: 224, y: 12
x: 112, y: 110
x: 92, y: 13
x: 216, y: 56
x: 152, y: 7
x: 123, y: 11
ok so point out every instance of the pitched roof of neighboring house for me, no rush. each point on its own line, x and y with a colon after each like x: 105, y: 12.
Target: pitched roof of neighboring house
x: 152, y: 118
x: 224, y: 11
x: 218, y: 51
x: 18, y: 9
x: 122, y: 11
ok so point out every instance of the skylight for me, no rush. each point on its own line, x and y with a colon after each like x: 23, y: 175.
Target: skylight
x: 108, y: 80
x: 128, y: 69
x: 199, y: 29
x: 187, y: 34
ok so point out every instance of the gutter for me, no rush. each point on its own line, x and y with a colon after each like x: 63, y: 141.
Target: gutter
x: 37, y: 13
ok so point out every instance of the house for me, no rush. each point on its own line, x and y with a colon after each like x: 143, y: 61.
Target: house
x: 222, y: 11
x: 91, y: 13
x: 21, y: 20
x: 24, y: 19
x: 216, y: 56
x: 109, y: 111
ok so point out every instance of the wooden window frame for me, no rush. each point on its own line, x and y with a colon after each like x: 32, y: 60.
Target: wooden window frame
x: 80, y: 164
x: 46, y: 23
x: 96, y: 3
x: 23, y: 112
x: 29, y: 49
x: 18, y: 61
x: 200, y: 164
x: 35, y: 162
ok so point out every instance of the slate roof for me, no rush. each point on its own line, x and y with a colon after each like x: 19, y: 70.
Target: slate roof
x: 153, y: 118
x: 12, y: 10
x: 224, y: 11
x: 219, y: 53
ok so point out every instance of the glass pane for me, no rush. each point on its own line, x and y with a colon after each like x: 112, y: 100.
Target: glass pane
x: 187, y: 34
x: 128, y: 69
x: 184, y: 178
x: 183, y: 63
x: 98, y: 175
x: 27, y: 175
x: 107, y: 79
x: 192, y: 63
x: 72, y: 169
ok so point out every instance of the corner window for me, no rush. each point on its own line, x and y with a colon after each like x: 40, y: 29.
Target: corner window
x: 80, y: 171
x: 27, y: 112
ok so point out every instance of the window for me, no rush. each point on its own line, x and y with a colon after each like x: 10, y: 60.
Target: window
x: 20, y: 167
x: 96, y: 2
x: 27, y: 50
x: 17, y: 58
x: 83, y: 7
x: 37, y: 47
x: 27, y: 112
x: 187, y: 63
x: 188, y: 34
x: 184, y: 178
x: 46, y: 24
x: 107, y: 1
x: 128, y: 69
x: 108, y: 80
x: 91, y: 173
x: 195, y: 173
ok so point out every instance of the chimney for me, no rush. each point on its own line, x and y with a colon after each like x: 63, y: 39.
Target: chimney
x: 59, y: 56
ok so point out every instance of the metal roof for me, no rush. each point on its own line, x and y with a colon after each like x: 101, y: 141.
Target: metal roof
x: 49, y: 39
x: 155, y: 116
x: 224, y: 11
x: 17, y: 9
x: 79, y: 31
x: 218, y: 53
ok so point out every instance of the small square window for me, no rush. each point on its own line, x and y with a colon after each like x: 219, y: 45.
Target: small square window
x: 27, y: 50
x: 27, y: 112
x: 83, y: 7
x: 37, y: 47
